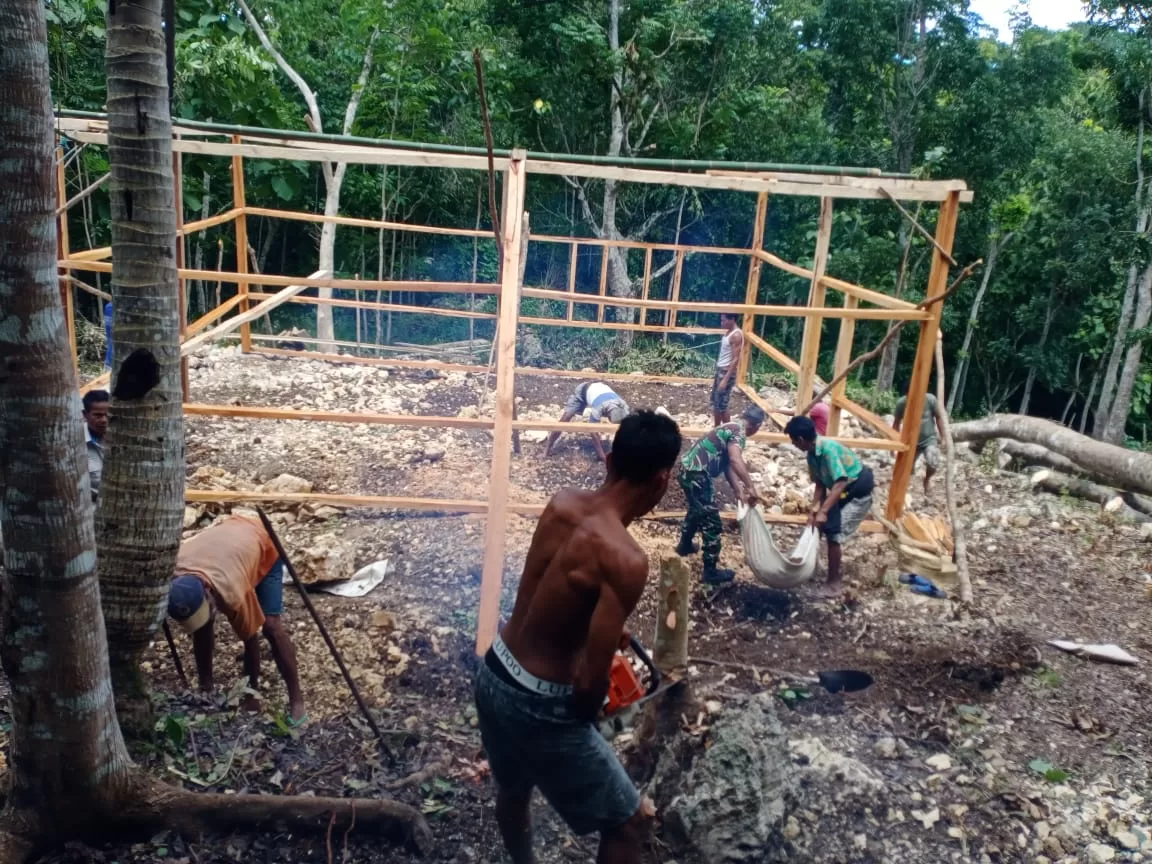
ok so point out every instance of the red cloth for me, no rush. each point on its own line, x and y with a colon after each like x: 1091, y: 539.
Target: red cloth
x: 819, y: 417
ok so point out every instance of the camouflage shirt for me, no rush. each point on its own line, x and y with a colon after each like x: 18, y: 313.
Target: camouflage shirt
x: 710, y: 453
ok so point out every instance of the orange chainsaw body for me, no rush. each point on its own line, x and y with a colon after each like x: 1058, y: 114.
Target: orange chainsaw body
x: 624, y: 685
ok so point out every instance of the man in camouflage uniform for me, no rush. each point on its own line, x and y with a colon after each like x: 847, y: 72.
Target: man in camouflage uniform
x: 718, y: 452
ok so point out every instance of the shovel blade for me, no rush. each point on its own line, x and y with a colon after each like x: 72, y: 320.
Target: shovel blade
x: 845, y: 681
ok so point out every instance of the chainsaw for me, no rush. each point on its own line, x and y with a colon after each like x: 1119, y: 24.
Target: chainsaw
x: 624, y: 687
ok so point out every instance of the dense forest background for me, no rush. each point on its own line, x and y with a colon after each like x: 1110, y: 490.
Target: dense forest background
x: 1048, y: 131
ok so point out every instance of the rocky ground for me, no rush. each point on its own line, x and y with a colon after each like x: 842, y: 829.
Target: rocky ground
x: 977, y: 742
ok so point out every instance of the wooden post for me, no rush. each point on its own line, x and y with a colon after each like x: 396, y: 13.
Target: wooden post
x: 181, y: 257
x: 925, y: 356
x: 647, y: 283
x: 603, y: 281
x: 238, y: 201
x: 670, y: 644
x: 493, y: 573
x: 66, y: 290
x: 810, y: 353
x: 677, y: 275
x: 843, y: 358
x: 753, y: 291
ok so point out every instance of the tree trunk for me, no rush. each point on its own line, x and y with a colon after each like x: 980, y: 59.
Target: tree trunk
x: 886, y: 373
x: 1114, y: 431
x: 141, y: 511
x: 1109, y: 499
x: 1037, y: 455
x: 1106, y: 463
x: 959, y: 532
x: 960, y: 376
x: 1088, y: 402
x: 1045, y: 330
x: 201, y: 292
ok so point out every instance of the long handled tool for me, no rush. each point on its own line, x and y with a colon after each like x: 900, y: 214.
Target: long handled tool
x: 175, y: 655
x: 327, y: 638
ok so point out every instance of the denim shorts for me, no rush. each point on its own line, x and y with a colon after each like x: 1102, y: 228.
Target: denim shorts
x: 533, y: 741
x: 270, y: 591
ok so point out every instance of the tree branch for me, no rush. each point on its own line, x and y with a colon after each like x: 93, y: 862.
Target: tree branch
x: 286, y: 68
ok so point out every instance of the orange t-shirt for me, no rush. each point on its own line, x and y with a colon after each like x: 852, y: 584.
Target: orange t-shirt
x: 231, y: 559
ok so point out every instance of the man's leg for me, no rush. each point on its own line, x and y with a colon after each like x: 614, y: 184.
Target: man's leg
x: 628, y: 843
x: 710, y: 530
x: 714, y: 399
x: 692, y: 519
x: 284, y: 654
x: 203, y: 649
x: 835, y: 586
x: 932, y: 459
x: 515, y: 823
x: 553, y: 437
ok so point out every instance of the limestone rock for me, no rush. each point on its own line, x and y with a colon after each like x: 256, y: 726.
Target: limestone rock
x: 192, y: 516
x: 288, y: 483
x: 836, y: 775
x: 733, y: 798
x: 886, y: 748
x: 1099, y: 853
x: 331, y: 558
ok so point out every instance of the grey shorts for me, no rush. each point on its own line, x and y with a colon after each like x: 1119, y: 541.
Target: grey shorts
x: 533, y: 742
x: 721, y: 395
x: 932, y: 456
x: 852, y: 513
x: 577, y: 403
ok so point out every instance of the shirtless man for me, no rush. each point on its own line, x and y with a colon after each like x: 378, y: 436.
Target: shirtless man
x: 544, y: 681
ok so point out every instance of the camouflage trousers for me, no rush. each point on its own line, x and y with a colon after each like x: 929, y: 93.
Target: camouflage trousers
x: 703, y: 514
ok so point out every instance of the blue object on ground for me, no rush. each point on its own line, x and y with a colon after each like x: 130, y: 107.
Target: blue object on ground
x: 924, y: 586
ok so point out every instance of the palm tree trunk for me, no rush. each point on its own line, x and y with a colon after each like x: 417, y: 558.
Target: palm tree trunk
x: 140, y: 516
x: 65, y: 741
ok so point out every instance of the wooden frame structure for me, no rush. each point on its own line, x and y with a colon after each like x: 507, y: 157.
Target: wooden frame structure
x: 257, y: 294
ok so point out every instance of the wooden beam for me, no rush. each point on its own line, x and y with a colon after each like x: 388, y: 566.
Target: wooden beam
x: 752, y: 292
x: 378, y: 224
x: 925, y: 356
x: 103, y: 252
x: 573, y: 262
x: 241, y: 244
x: 775, y: 353
x: 603, y: 282
x: 262, y: 308
x: 493, y: 571
x: 673, y: 305
x: 920, y: 229
x: 388, y: 307
x: 616, y: 325
x: 610, y: 376
x: 878, y: 298
x: 372, y: 361
x: 84, y: 286
x: 868, y: 418
x: 100, y: 382
x: 749, y: 391
x: 913, y: 314
x: 843, y: 358
x: 814, y: 325
x: 254, y: 412
x: 219, y: 312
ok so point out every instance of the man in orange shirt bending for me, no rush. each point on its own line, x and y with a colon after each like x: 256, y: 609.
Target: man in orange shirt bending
x: 233, y: 568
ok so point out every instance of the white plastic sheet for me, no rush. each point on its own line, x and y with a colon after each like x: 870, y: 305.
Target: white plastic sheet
x: 772, y: 567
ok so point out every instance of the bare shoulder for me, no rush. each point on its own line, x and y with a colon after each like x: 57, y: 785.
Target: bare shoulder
x: 623, y: 563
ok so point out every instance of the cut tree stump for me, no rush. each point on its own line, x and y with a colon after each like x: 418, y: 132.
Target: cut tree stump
x: 1111, y: 500
x: 670, y: 647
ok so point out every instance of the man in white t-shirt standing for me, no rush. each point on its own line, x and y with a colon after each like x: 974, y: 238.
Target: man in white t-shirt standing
x: 599, y: 400
x: 730, y: 347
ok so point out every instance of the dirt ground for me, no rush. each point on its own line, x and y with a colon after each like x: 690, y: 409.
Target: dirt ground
x: 1034, y: 755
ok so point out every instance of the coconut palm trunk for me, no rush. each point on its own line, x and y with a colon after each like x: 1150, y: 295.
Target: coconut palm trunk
x: 140, y: 514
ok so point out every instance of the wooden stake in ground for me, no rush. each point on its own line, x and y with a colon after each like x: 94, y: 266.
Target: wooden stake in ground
x: 670, y: 646
x: 959, y: 536
x: 307, y: 601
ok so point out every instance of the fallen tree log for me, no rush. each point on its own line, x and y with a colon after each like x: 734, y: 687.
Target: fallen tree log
x: 1037, y: 456
x: 1106, y: 463
x: 1109, y: 499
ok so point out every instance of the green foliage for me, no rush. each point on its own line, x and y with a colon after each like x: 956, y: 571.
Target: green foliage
x: 1048, y: 771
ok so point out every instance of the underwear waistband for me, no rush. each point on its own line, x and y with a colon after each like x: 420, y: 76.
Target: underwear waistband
x: 499, y: 655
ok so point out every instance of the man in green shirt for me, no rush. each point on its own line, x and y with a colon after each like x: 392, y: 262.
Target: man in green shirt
x: 929, y: 444
x: 843, y: 494
x: 718, y: 452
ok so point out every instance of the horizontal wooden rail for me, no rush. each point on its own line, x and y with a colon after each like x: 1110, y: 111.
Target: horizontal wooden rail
x: 773, y: 352
x: 914, y: 314
x: 383, y: 307
x: 611, y: 376
x: 84, y: 286
x: 443, y: 505
x: 328, y: 357
x: 103, y: 252
x: 616, y: 325
x: 217, y: 313
x: 866, y: 294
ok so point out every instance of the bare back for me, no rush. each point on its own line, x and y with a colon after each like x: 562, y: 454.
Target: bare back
x: 582, y: 561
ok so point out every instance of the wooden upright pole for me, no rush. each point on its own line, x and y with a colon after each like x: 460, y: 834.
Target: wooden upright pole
x: 810, y: 353
x: 511, y: 239
x: 843, y: 358
x: 238, y: 201
x: 66, y: 290
x: 753, y: 291
x: 181, y: 258
x: 925, y: 356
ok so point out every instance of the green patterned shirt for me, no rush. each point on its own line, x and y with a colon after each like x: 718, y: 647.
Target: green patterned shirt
x: 832, y: 461
x: 710, y: 453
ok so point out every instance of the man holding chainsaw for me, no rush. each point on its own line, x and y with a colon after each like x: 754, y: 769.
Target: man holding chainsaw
x: 721, y: 451
x: 544, y: 681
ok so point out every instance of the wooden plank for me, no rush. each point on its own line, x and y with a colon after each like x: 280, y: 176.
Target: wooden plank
x: 779, y: 419
x: 647, y: 273
x: 775, y: 353
x: 752, y: 291
x: 866, y: 294
x: 372, y: 361
x: 843, y: 358
x: 573, y: 263
x: 67, y: 296
x: 217, y: 313
x: 610, y: 376
x: 493, y: 571
x: 238, y: 198
x: 103, y: 252
x: 616, y: 325
x: 915, y: 314
x: 925, y: 356
x: 677, y: 278
x: 603, y: 282
x: 311, y: 282
x: 814, y: 325
x: 100, y: 382
x: 354, y: 222
x: 255, y: 412
x: 262, y: 308
x: 390, y: 307
x: 861, y: 182
x: 868, y: 418
x: 85, y: 287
